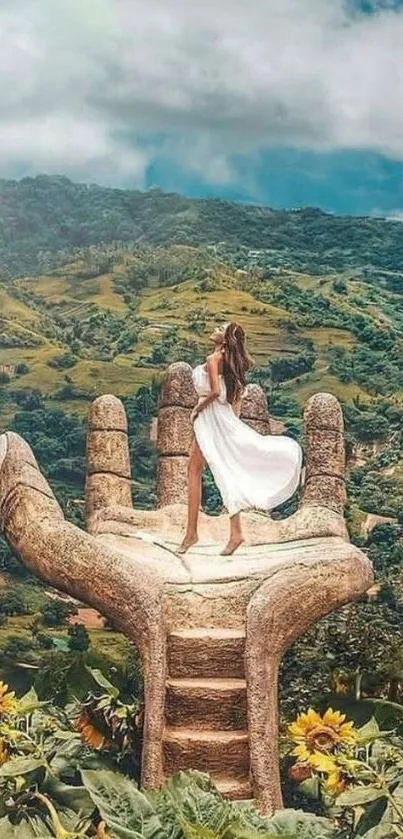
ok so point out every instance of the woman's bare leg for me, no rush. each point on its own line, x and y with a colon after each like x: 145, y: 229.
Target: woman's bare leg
x: 235, y: 535
x: 195, y: 472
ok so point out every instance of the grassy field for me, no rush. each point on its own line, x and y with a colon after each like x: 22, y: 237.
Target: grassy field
x: 34, y: 308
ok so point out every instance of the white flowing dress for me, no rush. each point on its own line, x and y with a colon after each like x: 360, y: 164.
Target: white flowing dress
x: 251, y: 470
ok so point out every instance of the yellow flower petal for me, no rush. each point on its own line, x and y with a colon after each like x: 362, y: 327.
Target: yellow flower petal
x: 295, y: 730
x: 8, y: 701
x: 301, y: 752
x: 333, y: 718
x: 334, y: 785
x: 322, y: 762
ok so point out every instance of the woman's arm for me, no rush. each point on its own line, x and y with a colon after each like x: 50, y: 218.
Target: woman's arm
x: 212, y: 370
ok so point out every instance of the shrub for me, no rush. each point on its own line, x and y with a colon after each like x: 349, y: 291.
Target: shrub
x: 63, y: 361
x: 56, y: 612
x: 12, y: 603
x: 79, y: 640
x: 22, y: 369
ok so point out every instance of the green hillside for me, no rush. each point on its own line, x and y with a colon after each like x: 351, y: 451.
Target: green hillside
x: 112, y: 317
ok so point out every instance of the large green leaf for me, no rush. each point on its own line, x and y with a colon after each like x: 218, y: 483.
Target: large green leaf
x: 32, y: 829
x: 73, y: 798
x: 192, y: 807
x: 21, y: 766
x: 374, y: 814
x: 126, y: 810
x: 301, y: 825
x: 359, y: 796
x: 368, y: 733
x: 103, y: 682
x: 190, y: 831
x: 383, y: 830
x: 67, y: 757
x: 29, y: 702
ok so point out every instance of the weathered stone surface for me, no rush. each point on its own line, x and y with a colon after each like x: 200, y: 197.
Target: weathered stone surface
x: 325, y: 491
x: 108, y: 451
x: 235, y: 789
x: 107, y: 412
x: 208, y: 653
x: 282, y: 610
x: 104, y: 488
x: 213, y: 704
x: 220, y: 604
x: 206, y: 751
x: 325, y: 453
x: 72, y: 561
x: 276, y: 426
x: 24, y: 492
x: 108, y: 459
x: 177, y: 386
x: 172, y: 479
x: 323, y: 411
x: 175, y: 431
x: 254, y: 404
x: 273, y: 590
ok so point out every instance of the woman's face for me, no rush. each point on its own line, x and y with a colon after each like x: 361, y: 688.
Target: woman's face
x: 218, y: 334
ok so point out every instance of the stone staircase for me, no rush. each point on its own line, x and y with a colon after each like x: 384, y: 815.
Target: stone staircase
x: 206, y: 687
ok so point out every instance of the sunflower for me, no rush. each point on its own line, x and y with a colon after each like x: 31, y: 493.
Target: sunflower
x: 8, y: 701
x: 90, y: 734
x: 3, y: 752
x: 324, y: 764
x: 335, y: 784
x: 314, y: 734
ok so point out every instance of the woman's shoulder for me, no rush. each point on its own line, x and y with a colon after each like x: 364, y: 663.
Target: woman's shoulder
x: 213, y: 359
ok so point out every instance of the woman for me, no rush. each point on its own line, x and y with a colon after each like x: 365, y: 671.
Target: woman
x: 251, y: 471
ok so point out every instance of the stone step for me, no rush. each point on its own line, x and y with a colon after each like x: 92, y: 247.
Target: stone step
x: 206, y: 653
x: 214, y: 704
x: 216, y: 752
x: 235, y: 789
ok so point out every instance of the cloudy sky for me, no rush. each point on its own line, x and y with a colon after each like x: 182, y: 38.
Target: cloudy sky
x: 284, y: 102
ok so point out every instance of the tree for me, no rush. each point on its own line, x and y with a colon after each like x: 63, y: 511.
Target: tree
x: 340, y: 286
x: 44, y: 641
x: 12, y: 603
x: 8, y: 562
x: 22, y: 369
x: 56, y: 612
x: 62, y: 361
x: 17, y: 646
x: 79, y: 639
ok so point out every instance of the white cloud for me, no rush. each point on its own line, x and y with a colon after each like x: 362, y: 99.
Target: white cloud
x: 84, y: 82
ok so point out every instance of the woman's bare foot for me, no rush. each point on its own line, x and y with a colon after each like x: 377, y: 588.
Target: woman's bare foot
x: 187, y: 543
x: 232, y: 546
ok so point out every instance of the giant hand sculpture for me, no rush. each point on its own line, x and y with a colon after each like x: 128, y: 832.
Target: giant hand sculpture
x: 211, y: 630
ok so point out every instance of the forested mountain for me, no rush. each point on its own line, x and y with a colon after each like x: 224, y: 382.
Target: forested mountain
x: 49, y: 214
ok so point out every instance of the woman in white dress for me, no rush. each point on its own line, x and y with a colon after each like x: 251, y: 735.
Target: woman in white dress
x: 252, y: 471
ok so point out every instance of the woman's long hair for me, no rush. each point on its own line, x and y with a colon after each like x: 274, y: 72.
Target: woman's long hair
x: 237, y: 361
